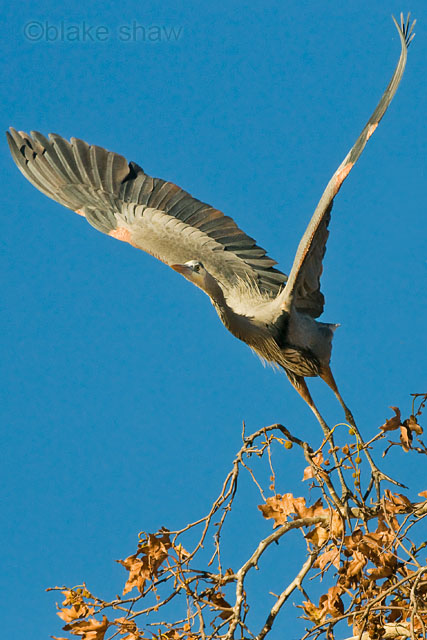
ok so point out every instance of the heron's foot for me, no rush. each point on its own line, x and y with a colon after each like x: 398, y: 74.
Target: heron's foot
x: 377, y: 475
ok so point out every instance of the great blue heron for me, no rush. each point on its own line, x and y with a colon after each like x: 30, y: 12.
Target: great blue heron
x: 273, y: 314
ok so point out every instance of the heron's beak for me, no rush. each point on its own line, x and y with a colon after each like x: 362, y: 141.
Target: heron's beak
x: 183, y: 269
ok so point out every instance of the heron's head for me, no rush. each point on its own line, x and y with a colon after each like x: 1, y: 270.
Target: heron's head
x: 196, y: 273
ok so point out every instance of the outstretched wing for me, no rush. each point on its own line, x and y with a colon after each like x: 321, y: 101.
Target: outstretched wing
x: 303, y: 286
x: 122, y: 201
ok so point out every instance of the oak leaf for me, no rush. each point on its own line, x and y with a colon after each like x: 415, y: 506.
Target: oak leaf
x: 392, y: 423
x: 380, y: 572
x: 76, y: 611
x: 308, y: 471
x: 218, y: 600
x: 331, y: 602
x: 318, y: 536
x: 139, y: 572
x: 313, y: 613
x: 91, y: 629
x: 405, y: 437
x: 336, y: 525
x: 413, y: 425
x: 68, y: 615
x: 353, y: 540
x: 154, y: 550
x: 175, y: 634
x: 316, y: 509
x: 356, y: 565
x: 396, y: 502
x: 279, y: 507
x: 129, y: 627
x: 332, y: 556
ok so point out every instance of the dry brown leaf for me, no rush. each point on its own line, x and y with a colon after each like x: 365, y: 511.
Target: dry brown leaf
x: 68, y: 615
x: 316, y: 509
x: 154, y: 551
x: 138, y: 573
x: 392, y: 423
x: 353, y: 540
x: 337, y: 525
x: 355, y: 567
x: 423, y: 494
x: 382, y: 527
x: 157, y: 548
x: 70, y: 596
x: 125, y: 624
x: 172, y: 634
x: 318, y: 458
x: 413, y: 425
x: 380, y: 572
x: 371, y: 548
x: 318, y: 536
x: 129, y: 627
x: 313, y: 613
x: 308, y: 471
x: 332, y: 556
x: 76, y: 611
x: 389, y: 559
x: 298, y: 507
x: 279, y: 507
x: 405, y: 437
x: 91, y: 629
x: 181, y: 552
x: 396, y: 613
x: 218, y: 600
x: 419, y: 624
x: 396, y: 502
x: 273, y: 509
x: 331, y: 602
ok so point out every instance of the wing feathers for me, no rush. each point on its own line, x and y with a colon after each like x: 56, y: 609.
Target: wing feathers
x: 103, y: 220
x: 64, y: 153
x: 306, y: 269
x: 116, y: 196
x: 119, y: 199
x: 81, y: 157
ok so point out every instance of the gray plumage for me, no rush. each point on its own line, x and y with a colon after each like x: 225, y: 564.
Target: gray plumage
x: 273, y: 314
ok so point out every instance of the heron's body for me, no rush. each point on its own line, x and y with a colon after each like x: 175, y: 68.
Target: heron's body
x: 293, y: 340
x: 274, y: 314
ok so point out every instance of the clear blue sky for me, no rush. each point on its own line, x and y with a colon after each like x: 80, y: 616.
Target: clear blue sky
x: 123, y: 395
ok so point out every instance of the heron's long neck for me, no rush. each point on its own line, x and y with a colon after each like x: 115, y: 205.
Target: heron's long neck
x: 241, y: 326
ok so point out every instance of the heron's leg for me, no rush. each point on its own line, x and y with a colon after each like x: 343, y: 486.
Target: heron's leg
x: 326, y: 375
x: 300, y: 385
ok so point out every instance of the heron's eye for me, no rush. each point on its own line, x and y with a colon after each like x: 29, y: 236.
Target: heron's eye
x: 196, y: 268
